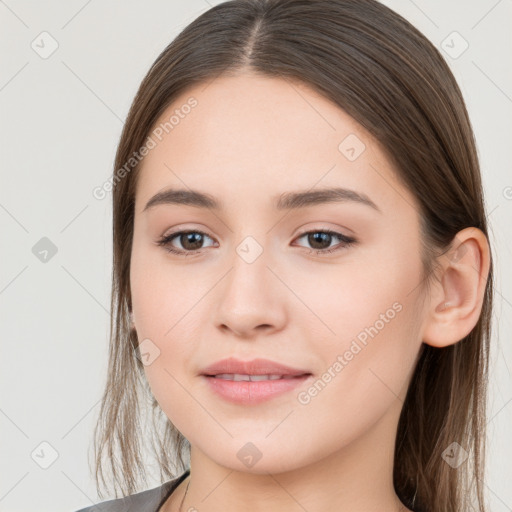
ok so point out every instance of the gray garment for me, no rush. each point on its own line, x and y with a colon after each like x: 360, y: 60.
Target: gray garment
x: 145, y: 501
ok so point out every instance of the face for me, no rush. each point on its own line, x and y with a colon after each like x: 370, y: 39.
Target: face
x: 328, y: 285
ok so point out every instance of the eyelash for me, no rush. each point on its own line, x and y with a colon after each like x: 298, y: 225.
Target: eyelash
x: 345, y: 241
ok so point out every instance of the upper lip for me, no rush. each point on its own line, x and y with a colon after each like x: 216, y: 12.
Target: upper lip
x: 252, y: 367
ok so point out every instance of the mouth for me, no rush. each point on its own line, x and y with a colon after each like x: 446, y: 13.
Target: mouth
x: 250, y: 390
x: 239, y: 377
x: 258, y: 368
x: 252, y: 382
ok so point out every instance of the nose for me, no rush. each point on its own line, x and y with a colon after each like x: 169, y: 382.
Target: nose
x: 251, y: 300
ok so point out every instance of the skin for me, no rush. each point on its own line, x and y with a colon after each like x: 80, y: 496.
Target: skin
x: 251, y: 138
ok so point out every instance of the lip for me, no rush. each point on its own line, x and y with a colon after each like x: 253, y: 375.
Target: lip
x: 252, y: 367
x: 249, y: 392
x: 252, y: 393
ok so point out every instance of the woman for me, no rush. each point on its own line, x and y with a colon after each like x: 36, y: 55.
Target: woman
x: 302, y: 281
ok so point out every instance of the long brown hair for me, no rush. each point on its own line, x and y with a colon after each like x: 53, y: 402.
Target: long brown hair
x: 384, y: 73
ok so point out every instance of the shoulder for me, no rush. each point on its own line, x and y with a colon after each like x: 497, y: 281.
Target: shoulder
x: 145, y: 501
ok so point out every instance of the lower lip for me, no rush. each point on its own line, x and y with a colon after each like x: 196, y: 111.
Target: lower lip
x: 250, y: 393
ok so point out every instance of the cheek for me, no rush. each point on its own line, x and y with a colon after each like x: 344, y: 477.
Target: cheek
x: 350, y: 295
x: 368, y: 305
x: 377, y: 324
x: 367, y: 369
x: 166, y: 303
x: 162, y: 293
x: 164, y: 329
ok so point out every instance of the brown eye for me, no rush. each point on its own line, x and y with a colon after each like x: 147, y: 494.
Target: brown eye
x: 320, y: 240
x: 190, y: 242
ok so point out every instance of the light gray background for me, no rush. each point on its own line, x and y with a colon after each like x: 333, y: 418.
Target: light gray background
x: 61, y: 118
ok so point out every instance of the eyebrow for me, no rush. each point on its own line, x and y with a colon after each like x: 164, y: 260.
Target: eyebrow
x: 285, y: 201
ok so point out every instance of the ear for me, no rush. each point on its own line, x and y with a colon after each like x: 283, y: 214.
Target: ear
x: 457, y: 296
x: 132, y: 324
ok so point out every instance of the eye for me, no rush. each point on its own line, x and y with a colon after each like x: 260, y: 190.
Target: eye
x: 321, y: 240
x: 190, y: 241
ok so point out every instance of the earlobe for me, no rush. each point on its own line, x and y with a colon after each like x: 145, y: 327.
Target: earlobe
x: 457, y: 297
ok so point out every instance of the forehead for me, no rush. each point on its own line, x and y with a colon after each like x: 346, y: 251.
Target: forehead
x: 250, y: 138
